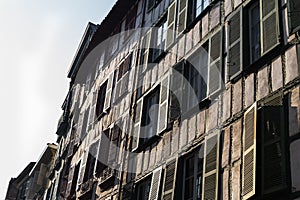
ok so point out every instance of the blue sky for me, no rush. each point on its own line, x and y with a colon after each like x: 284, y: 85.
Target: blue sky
x: 38, y: 40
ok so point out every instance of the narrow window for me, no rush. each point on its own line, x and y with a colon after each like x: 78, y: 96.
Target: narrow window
x: 101, y: 100
x: 143, y: 189
x: 254, y: 23
x: 159, y: 39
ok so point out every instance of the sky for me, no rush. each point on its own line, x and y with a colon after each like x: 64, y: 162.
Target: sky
x: 38, y: 40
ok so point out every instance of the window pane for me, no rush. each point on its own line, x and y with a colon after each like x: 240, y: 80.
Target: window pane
x: 255, y: 33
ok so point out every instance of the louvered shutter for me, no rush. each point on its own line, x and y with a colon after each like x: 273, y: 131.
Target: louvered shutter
x: 269, y: 25
x: 155, y: 184
x: 171, y: 25
x: 147, y: 45
x: 170, y: 180
x: 163, y: 105
x: 249, y: 153
x: 182, y: 16
x: 234, y: 48
x: 176, y: 89
x: 215, y: 66
x: 211, y: 167
x: 82, y: 168
x: 70, y: 180
x: 79, y: 129
x: 92, y: 110
x: 108, y: 94
x: 113, y: 150
x: 273, y: 147
x: 293, y: 14
x: 137, y: 124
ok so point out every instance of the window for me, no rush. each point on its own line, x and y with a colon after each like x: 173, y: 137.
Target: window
x: 152, y: 4
x: 84, y: 127
x: 254, y: 23
x: 264, y: 152
x: 196, y: 7
x: 90, y: 164
x: 129, y: 21
x: 143, y: 189
x: 103, y: 153
x: 293, y: 14
x: 158, y: 39
x: 101, y: 100
x: 248, y: 43
x: 123, y: 77
x: 150, y: 115
x: 193, y: 171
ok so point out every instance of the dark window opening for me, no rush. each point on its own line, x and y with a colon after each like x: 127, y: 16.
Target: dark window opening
x: 254, y: 33
x: 150, y: 115
x: 158, y: 40
x: 91, y: 160
x: 101, y: 100
x: 143, y: 189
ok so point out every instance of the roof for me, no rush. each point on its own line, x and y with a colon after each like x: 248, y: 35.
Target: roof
x: 99, y: 33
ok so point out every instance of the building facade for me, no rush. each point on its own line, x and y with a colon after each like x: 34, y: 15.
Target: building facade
x: 183, y: 99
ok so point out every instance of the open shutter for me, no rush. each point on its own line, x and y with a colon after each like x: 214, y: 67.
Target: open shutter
x: 92, y: 111
x: 235, y: 30
x: 137, y: 124
x: 82, y: 168
x: 176, y: 87
x: 70, y: 180
x: 249, y: 153
x: 171, y: 24
x: 269, y: 25
x: 215, y: 66
x: 273, y: 147
x: 163, y: 105
x: 211, y: 167
x: 79, y: 128
x: 293, y: 14
x: 155, y: 184
x: 109, y: 87
x: 170, y: 180
x: 113, y: 150
x: 103, y: 152
x: 182, y: 16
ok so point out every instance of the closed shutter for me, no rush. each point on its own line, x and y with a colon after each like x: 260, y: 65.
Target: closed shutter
x: 42, y: 174
x: 163, y: 105
x: 137, y: 124
x: 109, y: 88
x: 293, y: 14
x: 249, y: 153
x: 176, y: 89
x: 211, y: 167
x: 269, y: 24
x: 171, y: 24
x: 170, y: 180
x: 103, y: 152
x: 82, y: 168
x: 113, y: 150
x: 182, y: 16
x: 80, y: 124
x: 70, y: 180
x: 215, y: 66
x: 273, y: 147
x: 155, y: 184
x: 92, y: 110
x: 235, y: 30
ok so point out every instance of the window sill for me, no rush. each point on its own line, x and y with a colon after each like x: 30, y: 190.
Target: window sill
x: 142, y: 146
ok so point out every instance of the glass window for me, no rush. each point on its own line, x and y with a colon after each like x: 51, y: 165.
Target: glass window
x: 254, y: 22
x: 193, y: 166
x: 159, y: 39
x: 143, y: 189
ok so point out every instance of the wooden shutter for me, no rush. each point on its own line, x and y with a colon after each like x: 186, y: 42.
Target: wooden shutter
x: 211, y: 167
x: 70, y: 180
x: 215, y: 66
x: 137, y: 124
x: 269, y: 25
x: 79, y: 129
x: 293, y: 14
x: 92, y: 110
x: 163, y: 105
x: 273, y: 146
x: 103, y: 151
x: 234, y: 48
x: 155, y: 184
x: 109, y: 87
x: 82, y: 168
x: 113, y: 150
x: 171, y: 24
x: 249, y: 153
x: 170, y: 180
x: 182, y: 16
x: 176, y: 87
x: 42, y: 174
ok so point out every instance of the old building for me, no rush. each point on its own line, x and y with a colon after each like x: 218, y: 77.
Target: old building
x: 33, y: 181
x: 183, y: 99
